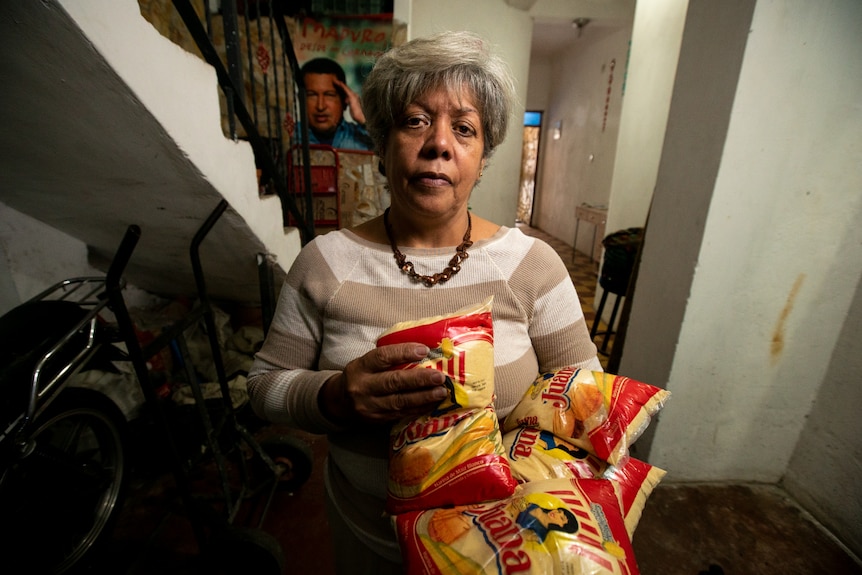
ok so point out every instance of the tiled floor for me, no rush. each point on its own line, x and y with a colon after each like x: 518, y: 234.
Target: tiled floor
x: 684, y: 530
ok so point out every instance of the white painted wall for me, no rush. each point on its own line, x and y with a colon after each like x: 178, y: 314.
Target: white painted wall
x: 703, y: 91
x: 510, y: 31
x: 579, y: 166
x: 36, y: 256
x: 824, y: 470
x: 626, y: 156
x: 538, y: 82
x: 780, y: 260
x: 655, y: 40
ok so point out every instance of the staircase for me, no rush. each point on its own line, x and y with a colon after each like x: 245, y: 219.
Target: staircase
x: 107, y: 123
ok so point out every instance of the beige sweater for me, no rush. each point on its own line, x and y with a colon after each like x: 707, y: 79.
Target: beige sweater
x: 342, y: 292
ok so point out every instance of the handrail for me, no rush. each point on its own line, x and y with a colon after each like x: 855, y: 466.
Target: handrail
x: 273, y: 169
x: 303, y: 143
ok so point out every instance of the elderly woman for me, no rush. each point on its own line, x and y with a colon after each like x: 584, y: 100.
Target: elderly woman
x: 436, y: 109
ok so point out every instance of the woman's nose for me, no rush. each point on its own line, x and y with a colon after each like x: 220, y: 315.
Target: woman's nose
x: 439, y: 140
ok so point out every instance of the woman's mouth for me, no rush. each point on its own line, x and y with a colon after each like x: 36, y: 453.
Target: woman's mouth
x: 432, y: 179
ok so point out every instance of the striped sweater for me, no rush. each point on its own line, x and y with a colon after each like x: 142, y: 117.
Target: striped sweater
x: 343, y: 292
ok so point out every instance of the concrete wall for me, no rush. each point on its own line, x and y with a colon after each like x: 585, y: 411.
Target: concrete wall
x: 655, y: 43
x: 626, y: 155
x: 35, y: 256
x: 779, y: 263
x: 537, y: 85
x: 708, y: 65
x: 824, y: 470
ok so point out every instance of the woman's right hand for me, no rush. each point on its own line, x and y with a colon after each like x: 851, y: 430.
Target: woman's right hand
x: 370, y: 391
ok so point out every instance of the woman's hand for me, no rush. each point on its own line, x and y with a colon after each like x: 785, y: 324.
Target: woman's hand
x: 353, y: 102
x: 370, y: 391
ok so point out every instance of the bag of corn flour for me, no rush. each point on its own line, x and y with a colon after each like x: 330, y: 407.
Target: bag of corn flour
x: 556, y: 526
x: 600, y: 412
x: 635, y: 482
x: 453, y: 455
x: 535, y: 454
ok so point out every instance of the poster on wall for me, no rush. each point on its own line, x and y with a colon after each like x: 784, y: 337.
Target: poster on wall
x: 335, y: 54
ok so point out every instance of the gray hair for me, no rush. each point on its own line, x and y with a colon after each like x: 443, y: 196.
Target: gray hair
x: 449, y: 60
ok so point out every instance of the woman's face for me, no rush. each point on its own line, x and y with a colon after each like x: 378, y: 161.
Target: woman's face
x: 434, y: 154
x: 557, y: 517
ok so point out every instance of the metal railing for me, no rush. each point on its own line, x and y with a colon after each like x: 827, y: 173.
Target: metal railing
x: 248, y: 44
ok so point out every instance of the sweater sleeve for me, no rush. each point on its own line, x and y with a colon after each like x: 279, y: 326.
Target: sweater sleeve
x: 558, y: 328
x: 284, y: 382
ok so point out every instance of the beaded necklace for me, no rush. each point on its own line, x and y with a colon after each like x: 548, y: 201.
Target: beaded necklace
x: 407, y: 267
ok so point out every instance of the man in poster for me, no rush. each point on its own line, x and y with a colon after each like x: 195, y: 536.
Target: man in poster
x: 327, y: 96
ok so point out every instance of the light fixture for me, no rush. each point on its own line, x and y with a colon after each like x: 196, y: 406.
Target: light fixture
x: 557, y: 132
x: 579, y: 24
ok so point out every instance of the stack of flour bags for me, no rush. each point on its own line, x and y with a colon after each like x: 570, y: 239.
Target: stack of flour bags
x: 552, y: 490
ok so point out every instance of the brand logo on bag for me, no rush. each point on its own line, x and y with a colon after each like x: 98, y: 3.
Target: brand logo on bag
x: 503, y: 534
x: 452, y: 366
x: 524, y: 442
x: 557, y: 387
x: 426, y: 427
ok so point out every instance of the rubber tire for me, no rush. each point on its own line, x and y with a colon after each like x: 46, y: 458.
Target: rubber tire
x: 294, y: 455
x: 63, y: 499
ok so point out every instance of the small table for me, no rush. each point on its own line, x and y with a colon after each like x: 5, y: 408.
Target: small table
x: 596, y: 216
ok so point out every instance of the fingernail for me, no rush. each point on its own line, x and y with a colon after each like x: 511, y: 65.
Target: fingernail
x: 421, y: 350
x: 440, y: 392
x: 437, y: 377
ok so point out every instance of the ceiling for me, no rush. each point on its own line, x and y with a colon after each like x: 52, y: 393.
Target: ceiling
x: 549, y: 37
x: 554, y: 27
x: 553, y: 36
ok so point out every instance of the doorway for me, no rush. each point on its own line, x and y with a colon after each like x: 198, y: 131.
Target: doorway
x: 529, y: 162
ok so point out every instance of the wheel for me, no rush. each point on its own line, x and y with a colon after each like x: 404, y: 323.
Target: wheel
x: 62, y: 498
x: 293, y: 458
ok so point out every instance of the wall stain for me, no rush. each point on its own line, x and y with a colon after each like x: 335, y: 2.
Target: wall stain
x: 778, y: 334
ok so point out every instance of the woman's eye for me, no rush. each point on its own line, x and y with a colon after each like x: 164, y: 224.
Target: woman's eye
x: 414, y: 121
x: 464, y: 130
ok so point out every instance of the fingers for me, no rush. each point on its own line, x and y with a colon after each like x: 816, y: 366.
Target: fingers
x: 344, y: 87
x: 372, y: 389
x: 392, y: 356
x: 409, y: 403
x: 353, y: 102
